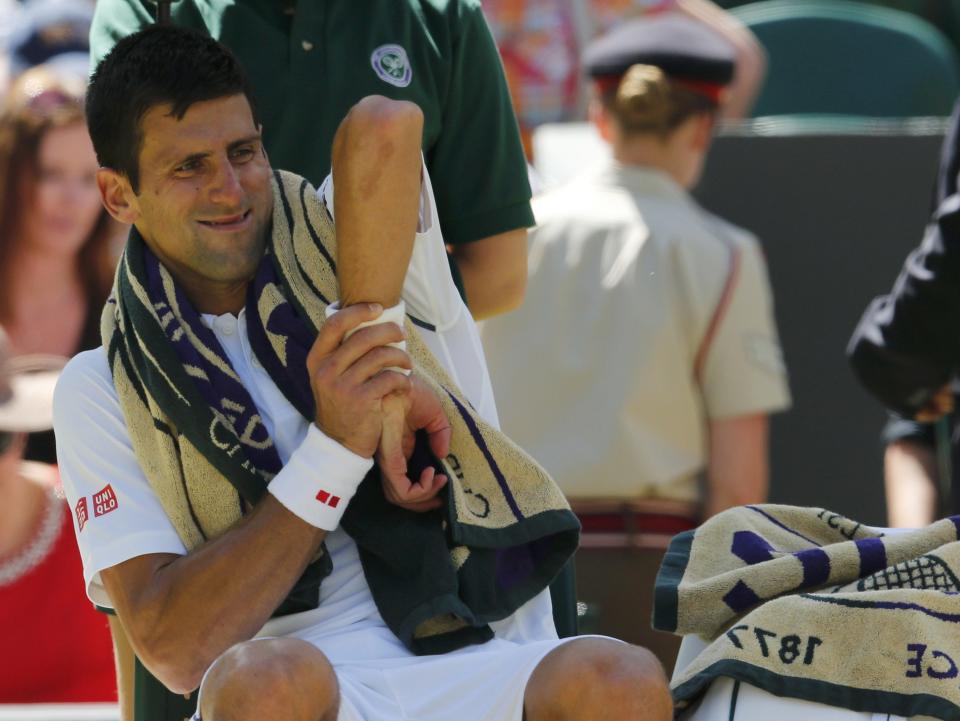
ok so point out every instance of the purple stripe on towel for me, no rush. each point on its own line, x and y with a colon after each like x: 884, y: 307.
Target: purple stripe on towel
x: 514, y: 566
x: 482, y: 445
x: 217, y: 387
x: 816, y: 567
x: 873, y: 555
x: 741, y: 598
x: 751, y: 548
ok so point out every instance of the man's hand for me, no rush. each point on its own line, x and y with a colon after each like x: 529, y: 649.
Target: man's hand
x: 347, y: 379
x: 420, y: 410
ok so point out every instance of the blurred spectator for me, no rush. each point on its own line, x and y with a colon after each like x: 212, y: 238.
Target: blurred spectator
x: 44, y: 31
x: 646, y: 352
x: 651, y: 318
x: 8, y: 10
x: 56, y: 262
x: 50, y: 29
x: 541, y: 42
x: 919, y: 473
x: 310, y: 61
x: 905, y: 351
x: 56, y: 646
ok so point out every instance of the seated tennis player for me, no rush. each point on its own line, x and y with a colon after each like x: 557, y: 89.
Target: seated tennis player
x: 284, y: 462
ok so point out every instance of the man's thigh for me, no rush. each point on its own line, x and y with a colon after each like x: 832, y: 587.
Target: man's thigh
x: 477, y: 683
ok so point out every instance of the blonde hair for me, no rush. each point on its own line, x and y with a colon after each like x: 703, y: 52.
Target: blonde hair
x: 647, y: 101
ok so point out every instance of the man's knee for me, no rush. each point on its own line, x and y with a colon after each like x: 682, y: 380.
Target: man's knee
x: 377, y: 123
x: 271, y: 678
x: 599, y: 679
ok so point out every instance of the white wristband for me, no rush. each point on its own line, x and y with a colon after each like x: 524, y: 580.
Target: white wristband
x: 395, y: 314
x: 319, y: 480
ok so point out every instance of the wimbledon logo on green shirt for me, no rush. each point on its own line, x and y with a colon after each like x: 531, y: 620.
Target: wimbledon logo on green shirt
x: 391, y: 65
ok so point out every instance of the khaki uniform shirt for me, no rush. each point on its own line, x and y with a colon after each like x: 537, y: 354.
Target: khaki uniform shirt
x: 645, y: 317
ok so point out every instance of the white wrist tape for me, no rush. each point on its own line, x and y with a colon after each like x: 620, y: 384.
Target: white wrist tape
x: 395, y: 314
x: 319, y: 480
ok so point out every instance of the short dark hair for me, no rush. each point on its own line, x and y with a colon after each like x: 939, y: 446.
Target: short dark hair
x: 160, y: 65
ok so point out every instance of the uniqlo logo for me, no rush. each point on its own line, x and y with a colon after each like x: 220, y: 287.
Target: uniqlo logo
x: 104, y: 501
x: 81, y: 511
x: 328, y: 499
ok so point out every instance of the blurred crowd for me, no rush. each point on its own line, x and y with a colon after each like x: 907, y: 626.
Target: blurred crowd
x: 58, y: 248
x: 672, y: 371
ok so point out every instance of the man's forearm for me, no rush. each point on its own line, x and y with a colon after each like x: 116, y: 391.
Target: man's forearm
x: 182, y: 612
x: 377, y: 173
x: 376, y: 178
x: 124, y: 667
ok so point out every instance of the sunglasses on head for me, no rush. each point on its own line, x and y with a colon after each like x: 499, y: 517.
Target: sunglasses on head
x: 49, y: 101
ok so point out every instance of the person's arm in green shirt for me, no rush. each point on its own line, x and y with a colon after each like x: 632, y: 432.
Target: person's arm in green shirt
x: 494, y: 272
x: 479, y: 171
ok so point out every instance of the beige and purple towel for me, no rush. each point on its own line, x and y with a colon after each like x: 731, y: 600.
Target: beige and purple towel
x: 806, y: 603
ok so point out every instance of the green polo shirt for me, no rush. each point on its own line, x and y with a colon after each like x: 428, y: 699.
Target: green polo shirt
x: 310, y: 61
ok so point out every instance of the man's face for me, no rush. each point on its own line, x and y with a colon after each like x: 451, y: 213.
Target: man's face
x: 205, y: 199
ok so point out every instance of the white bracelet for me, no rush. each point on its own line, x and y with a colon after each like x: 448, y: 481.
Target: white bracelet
x: 395, y: 314
x: 319, y: 480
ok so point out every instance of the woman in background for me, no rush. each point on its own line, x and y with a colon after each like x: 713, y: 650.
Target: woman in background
x: 642, y: 367
x: 56, y: 646
x: 56, y: 259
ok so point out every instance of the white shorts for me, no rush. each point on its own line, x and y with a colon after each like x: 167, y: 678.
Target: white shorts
x: 477, y: 683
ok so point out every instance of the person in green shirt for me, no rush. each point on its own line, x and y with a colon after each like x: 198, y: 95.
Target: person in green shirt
x: 310, y: 61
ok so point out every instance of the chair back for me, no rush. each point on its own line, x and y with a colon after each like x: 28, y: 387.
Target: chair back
x: 850, y: 58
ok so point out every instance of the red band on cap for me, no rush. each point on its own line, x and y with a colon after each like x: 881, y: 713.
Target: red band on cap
x: 606, y: 83
x: 711, y: 91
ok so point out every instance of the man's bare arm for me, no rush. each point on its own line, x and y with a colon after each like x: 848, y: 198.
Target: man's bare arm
x: 377, y: 165
x: 123, y: 660
x: 494, y: 272
x: 181, y: 612
x: 737, y: 469
x: 376, y: 180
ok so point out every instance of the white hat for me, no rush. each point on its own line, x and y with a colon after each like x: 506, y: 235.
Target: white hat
x: 26, y: 389
x: 43, y: 29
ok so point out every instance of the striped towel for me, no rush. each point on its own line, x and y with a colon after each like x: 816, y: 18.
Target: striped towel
x: 808, y: 604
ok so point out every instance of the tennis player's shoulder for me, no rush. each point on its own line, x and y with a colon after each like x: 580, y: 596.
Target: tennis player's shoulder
x: 86, y: 375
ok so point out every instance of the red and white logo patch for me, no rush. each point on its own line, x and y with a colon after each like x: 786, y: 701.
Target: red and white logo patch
x: 328, y: 499
x: 104, y: 501
x: 81, y: 511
